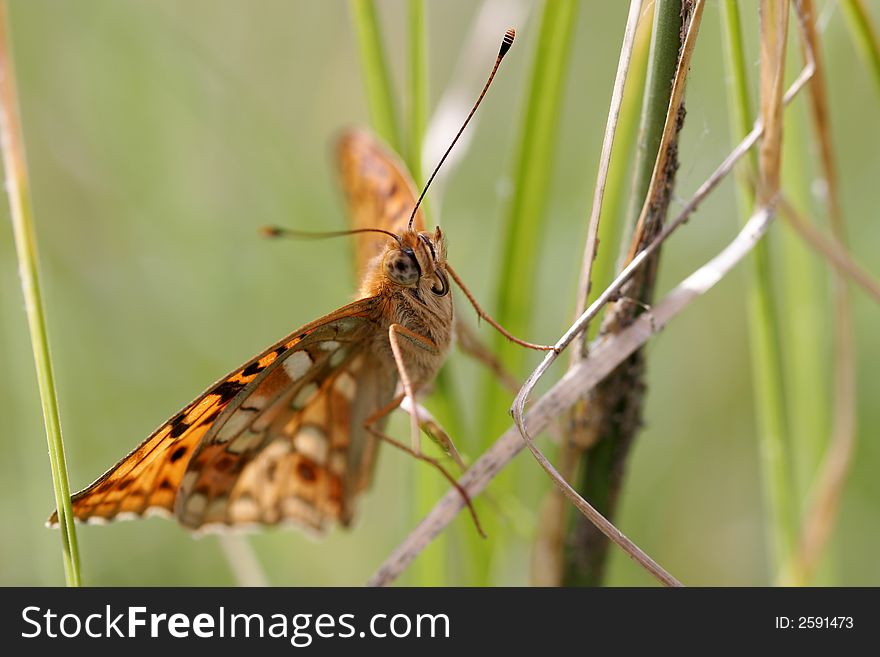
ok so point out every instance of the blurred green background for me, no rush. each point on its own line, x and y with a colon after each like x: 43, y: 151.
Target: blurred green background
x: 161, y: 134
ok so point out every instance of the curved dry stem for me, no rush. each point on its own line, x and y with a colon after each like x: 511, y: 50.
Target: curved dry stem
x: 601, y: 522
x: 833, y: 251
x: 823, y: 511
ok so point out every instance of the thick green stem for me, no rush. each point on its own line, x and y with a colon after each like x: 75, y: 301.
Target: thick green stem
x: 615, y: 405
x: 661, y: 67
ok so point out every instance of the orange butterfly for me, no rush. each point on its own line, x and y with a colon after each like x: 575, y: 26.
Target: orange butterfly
x: 292, y: 434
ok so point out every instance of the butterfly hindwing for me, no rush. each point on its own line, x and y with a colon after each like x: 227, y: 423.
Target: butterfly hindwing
x: 379, y: 192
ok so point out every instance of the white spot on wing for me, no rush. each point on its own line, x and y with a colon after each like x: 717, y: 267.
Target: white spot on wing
x: 158, y: 512
x: 244, y: 442
x: 337, y: 463
x: 346, y: 324
x: 244, y: 509
x: 304, y: 396
x: 234, y: 425
x: 311, y: 442
x: 294, y: 507
x: 338, y: 356
x: 196, y: 504
x: 345, y: 385
x: 297, y: 364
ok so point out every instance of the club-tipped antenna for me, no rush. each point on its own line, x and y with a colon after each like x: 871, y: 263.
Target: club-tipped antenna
x: 505, y: 46
x: 278, y: 231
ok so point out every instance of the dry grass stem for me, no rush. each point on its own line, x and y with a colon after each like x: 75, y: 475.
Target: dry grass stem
x: 605, y: 155
x: 823, y: 508
x: 832, y: 250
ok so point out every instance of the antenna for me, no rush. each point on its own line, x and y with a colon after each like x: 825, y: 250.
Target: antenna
x: 505, y: 46
x: 278, y: 231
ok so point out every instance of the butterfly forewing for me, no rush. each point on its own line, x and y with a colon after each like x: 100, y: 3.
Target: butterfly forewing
x: 205, y: 457
x: 293, y: 448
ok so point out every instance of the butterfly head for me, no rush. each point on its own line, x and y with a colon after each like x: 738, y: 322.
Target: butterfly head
x: 418, y: 261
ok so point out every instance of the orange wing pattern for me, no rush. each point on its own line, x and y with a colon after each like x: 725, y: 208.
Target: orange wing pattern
x: 282, y: 437
x: 210, y: 462
x: 379, y: 191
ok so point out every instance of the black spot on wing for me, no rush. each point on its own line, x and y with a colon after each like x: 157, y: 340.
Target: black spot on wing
x: 178, y: 426
x: 224, y: 463
x: 306, y: 470
x: 227, y: 390
x: 253, y: 368
x: 178, y: 454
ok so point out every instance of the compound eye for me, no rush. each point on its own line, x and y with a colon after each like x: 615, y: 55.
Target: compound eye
x: 441, y: 287
x: 402, y: 267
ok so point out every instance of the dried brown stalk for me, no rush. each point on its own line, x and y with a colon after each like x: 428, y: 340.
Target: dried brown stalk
x: 822, y: 512
x: 832, y: 250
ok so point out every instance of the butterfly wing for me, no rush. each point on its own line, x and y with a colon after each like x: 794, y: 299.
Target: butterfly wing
x: 295, y: 449
x: 379, y: 191
x: 214, y: 436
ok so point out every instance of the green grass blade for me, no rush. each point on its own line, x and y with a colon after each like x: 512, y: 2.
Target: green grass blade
x: 763, y: 308
x: 430, y: 568
x: 15, y: 165
x: 863, y: 34
x: 534, y: 166
x: 515, y: 292
x: 417, y: 64
x: 661, y: 69
x: 617, y: 189
x: 377, y: 78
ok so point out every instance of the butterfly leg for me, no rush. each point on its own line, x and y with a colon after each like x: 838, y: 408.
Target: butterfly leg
x: 486, y: 316
x: 396, y: 332
x: 369, y: 426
